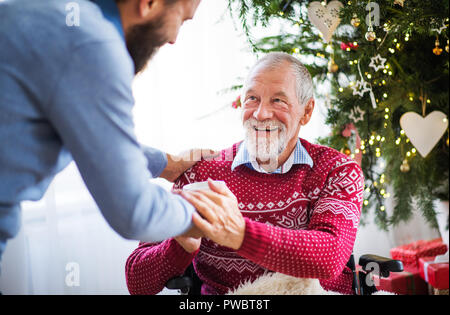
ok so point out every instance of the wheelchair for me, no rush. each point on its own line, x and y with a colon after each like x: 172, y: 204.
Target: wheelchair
x: 362, y: 284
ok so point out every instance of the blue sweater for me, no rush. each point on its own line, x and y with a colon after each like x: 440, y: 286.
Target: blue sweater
x: 65, y: 93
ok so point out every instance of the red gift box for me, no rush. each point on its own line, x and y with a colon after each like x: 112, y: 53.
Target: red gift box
x: 436, y: 274
x: 407, y: 282
x: 409, y: 254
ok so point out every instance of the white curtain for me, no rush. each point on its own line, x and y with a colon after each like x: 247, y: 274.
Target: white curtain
x: 174, y: 99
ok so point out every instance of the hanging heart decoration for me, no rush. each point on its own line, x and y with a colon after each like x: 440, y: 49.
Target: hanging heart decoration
x: 325, y: 17
x: 424, y: 132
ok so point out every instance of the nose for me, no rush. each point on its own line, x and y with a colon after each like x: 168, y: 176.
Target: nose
x: 263, y: 112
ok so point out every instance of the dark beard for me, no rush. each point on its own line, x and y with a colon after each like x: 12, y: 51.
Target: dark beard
x: 143, y: 42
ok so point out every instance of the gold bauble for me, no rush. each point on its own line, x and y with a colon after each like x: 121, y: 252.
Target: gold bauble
x: 437, y: 50
x: 405, y: 168
x: 371, y: 36
x: 332, y: 66
x: 355, y: 21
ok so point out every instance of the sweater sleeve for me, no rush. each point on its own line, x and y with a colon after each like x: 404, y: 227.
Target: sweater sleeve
x: 151, y: 265
x: 323, y: 249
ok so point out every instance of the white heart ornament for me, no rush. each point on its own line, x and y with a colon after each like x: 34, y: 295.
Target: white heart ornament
x: 325, y: 18
x: 424, y: 133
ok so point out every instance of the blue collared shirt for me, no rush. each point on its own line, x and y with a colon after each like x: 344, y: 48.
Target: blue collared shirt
x: 298, y: 156
x: 65, y: 94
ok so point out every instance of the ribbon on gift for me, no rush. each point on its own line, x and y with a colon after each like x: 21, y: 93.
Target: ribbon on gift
x: 410, y: 283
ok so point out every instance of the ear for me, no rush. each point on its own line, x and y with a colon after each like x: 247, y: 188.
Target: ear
x: 147, y: 7
x: 309, y: 108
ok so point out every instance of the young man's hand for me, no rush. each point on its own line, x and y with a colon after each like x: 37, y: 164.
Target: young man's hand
x: 178, y: 164
x: 191, y: 240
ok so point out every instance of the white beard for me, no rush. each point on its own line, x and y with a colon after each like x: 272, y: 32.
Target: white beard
x: 265, y: 149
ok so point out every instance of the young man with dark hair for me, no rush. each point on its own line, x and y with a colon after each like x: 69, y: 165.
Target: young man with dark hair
x: 65, y: 94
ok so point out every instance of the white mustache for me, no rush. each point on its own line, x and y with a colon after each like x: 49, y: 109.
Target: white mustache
x: 269, y: 125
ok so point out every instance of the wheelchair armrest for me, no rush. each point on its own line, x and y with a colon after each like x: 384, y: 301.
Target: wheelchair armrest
x: 182, y: 283
x: 386, y: 265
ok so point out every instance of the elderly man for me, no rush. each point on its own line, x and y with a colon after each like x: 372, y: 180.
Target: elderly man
x: 288, y: 206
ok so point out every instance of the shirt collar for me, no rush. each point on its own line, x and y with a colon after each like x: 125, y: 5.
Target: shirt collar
x: 111, y: 13
x: 298, y: 156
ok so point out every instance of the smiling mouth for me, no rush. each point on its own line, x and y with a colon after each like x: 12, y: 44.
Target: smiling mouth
x: 266, y: 129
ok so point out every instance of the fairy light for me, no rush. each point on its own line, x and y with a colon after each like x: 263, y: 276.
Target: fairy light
x: 382, y: 208
x: 341, y: 90
x: 402, y: 132
x: 414, y: 150
x: 366, y: 202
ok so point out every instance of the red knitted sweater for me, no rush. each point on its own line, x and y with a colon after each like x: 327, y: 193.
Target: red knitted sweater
x: 302, y: 223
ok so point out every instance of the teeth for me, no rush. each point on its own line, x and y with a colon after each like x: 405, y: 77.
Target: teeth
x: 266, y: 129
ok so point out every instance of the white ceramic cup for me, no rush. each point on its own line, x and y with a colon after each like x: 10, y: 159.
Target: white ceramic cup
x: 199, y: 186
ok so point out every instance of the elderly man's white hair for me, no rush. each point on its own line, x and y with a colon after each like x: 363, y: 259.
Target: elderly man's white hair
x: 272, y: 61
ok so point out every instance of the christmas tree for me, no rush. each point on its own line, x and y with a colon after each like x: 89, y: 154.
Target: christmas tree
x: 385, y: 65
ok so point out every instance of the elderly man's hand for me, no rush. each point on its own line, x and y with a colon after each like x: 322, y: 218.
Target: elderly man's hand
x: 220, y: 220
x: 178, y: 164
